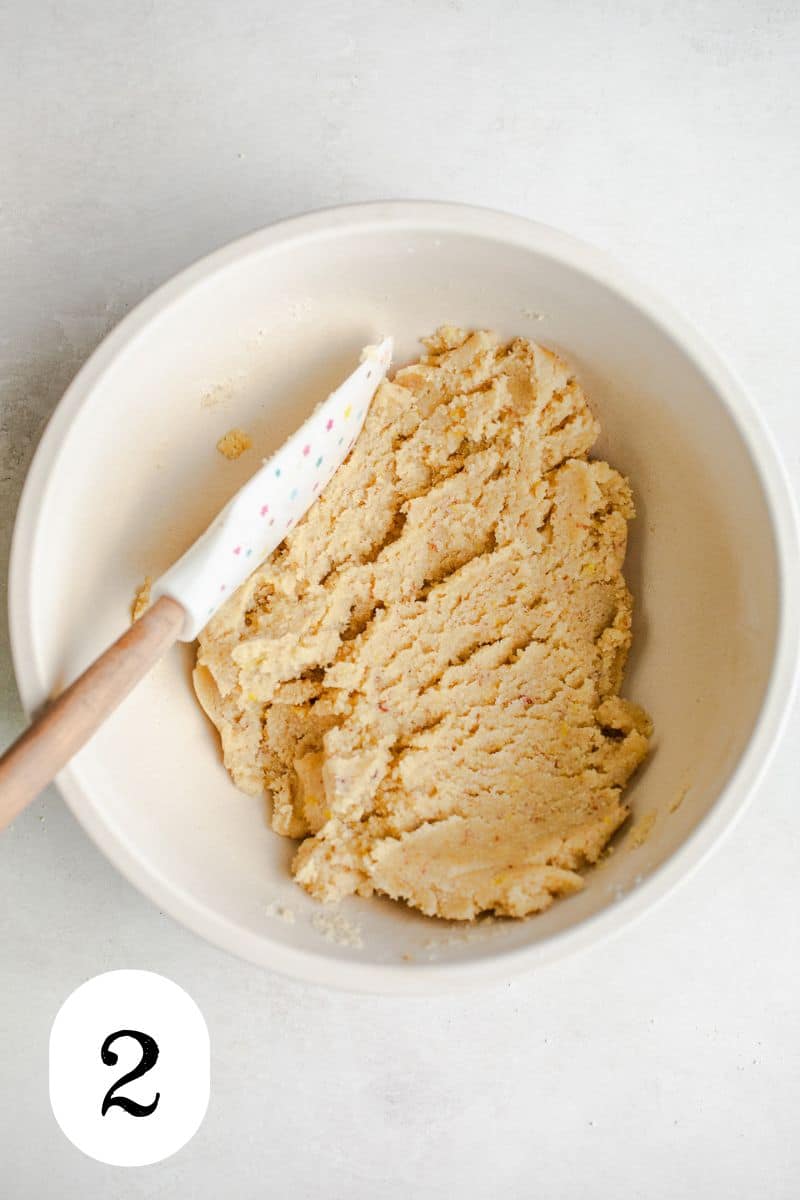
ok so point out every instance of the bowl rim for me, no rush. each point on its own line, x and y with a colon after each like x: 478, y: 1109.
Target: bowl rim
x: 488, y: 224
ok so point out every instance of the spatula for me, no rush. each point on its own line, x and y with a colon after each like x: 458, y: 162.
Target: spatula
x: 249, y: 528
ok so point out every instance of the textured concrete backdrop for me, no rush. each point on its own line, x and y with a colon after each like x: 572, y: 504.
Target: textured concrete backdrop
x: 135, y: 137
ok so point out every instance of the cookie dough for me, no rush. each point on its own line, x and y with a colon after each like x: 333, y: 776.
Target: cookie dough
x: 234, y: 443
x: 141, y: 598
x: 425, y: 675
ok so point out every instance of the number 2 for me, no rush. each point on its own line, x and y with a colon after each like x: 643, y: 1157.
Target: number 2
x: 148, y: 1060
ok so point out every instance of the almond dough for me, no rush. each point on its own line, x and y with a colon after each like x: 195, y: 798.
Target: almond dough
x: 141, y: 598
x: 234, y: 443
x: 425, y: 675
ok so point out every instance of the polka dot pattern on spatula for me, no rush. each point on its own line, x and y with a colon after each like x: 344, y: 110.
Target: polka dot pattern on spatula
x: 271, y: 503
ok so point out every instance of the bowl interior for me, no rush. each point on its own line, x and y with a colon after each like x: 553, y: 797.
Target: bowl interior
x: 255, y: 344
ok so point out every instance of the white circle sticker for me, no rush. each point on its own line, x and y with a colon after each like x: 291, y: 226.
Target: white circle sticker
x: 130, y: 1068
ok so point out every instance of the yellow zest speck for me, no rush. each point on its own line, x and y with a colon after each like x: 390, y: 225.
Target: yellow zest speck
x: 347, y: 412
x: 588, y: 568
x: 252, y: 697
x: 564, y: 729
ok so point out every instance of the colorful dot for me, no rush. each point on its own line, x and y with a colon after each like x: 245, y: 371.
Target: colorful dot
x: 222, y: 587
x: 249, y: 551
x: 272, y: 520
x: 293, y: 494
x: 264, y: 509
x: 237, y: 549
x: 318, y: 463
x: 347, y: 412
x: 341, y: 439
x: 306, y: 451
x: 277, y: 472
x: 329, y: 425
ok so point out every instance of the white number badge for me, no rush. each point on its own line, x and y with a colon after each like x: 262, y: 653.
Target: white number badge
x: 130, y: 1071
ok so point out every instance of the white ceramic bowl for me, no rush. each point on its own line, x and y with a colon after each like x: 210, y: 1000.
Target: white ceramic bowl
x: 127, y: 475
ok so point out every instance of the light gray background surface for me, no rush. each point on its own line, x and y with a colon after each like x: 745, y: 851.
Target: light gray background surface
x: 135, y: 137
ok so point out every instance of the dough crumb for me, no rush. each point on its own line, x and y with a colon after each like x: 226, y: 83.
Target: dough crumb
x: 465, y: 935
x: 641, y: 831
x: 141, y: 598
x: 426, y: 674
x: 234, y: 443
x: 679, y: 799
x: 218, y: 396
x: 337, y: 929
x: 280, y: 912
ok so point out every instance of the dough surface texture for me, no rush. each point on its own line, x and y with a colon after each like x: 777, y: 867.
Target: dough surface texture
x: 425, y: 675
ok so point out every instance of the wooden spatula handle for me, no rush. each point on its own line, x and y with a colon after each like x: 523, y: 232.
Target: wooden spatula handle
x: 66, y: 724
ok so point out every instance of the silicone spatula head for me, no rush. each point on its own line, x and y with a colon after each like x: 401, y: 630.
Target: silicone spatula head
x: 271, y: 503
